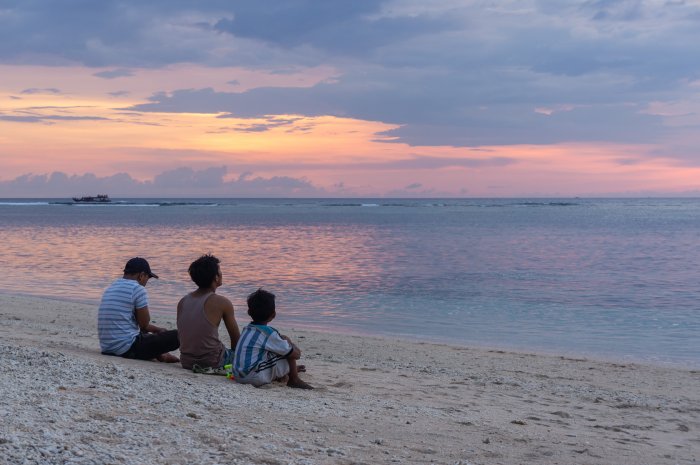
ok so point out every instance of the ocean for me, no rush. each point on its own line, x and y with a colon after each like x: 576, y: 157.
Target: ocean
x: 614, y: 279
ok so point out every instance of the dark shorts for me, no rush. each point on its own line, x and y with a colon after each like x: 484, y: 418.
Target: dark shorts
x: 150, y: 345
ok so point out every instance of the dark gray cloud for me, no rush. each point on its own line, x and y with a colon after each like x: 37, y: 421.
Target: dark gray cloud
x: 115, y: 73
x: 509, y: 125
x: 351, y: 28
x: 483, y: 120
x: 104, y: 33
x: 476, y: 73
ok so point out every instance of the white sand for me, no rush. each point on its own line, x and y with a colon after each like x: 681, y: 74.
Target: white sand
x: 378, y: 401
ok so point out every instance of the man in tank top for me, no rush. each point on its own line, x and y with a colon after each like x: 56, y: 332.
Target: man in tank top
x: 199, y: 315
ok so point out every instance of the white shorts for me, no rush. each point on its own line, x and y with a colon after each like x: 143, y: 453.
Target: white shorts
x: 278, y: 370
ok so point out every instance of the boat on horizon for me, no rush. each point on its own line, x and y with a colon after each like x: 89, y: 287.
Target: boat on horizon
x: 99, y: 198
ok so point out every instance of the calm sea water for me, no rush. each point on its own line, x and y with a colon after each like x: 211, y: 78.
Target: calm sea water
x: 610, y: 278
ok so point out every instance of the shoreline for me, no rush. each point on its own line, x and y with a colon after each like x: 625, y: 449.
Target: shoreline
x: 377, y: 401
x: 408, y: 338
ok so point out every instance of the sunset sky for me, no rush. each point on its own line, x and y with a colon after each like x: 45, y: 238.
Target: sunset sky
x: 336, y: 98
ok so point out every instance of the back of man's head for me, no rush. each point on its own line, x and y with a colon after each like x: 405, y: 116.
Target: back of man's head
x: 204, y: 270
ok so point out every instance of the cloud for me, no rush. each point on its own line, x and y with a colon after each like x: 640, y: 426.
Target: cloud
x: 272, y: 123
x: 256, y: 128
x: 438, y: 122
x: 47, y: 119
x: 178, y: 182
x: 21, y: 119
x: 33, y: 91
x: 453, y: 73
x: 283, y: 186
x: 115, y: 73
x: 350, y: 28
x: 59, y: 184
x: 187, y: 177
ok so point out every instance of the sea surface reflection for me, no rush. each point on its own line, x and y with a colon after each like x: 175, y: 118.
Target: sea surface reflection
x: 611, y: 278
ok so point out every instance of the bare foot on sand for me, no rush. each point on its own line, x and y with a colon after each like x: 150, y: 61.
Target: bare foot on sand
x: 301, y: 368
x: 298, y: 384
x: 167, y: 358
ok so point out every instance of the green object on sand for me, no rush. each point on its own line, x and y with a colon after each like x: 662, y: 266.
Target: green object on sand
x: 222, y: 371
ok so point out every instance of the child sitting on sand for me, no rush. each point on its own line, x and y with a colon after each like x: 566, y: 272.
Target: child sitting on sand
x: 262, y: 353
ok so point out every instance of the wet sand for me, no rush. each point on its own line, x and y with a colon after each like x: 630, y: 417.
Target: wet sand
x: 377, y: 401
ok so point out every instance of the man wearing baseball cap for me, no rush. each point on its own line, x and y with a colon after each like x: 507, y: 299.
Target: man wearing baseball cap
x: 124, y: 323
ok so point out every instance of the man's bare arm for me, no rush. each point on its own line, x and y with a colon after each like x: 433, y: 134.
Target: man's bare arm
x: 143, y: 318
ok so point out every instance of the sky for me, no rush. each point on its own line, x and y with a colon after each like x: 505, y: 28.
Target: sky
x: 361, y: 98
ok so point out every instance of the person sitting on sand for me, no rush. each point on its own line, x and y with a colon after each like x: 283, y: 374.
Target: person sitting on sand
x: 124, y: 323
x: 262, y: 353
x: 199, y: 315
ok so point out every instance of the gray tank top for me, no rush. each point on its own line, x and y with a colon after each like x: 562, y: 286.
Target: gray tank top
x: 199, y: 339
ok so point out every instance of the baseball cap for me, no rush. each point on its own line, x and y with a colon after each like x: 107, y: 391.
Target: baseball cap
x: 138, y: 265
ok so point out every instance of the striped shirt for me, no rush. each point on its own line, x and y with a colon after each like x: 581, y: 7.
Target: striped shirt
x: 258, y: 349
x: 116, y: 321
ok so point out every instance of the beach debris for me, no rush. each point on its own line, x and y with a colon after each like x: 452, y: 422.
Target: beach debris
x: 518, y: 422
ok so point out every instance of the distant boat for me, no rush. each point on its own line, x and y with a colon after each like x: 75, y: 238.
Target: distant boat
x: 99, y: 198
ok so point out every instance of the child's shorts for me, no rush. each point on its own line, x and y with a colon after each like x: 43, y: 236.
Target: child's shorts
x: 278, y: 370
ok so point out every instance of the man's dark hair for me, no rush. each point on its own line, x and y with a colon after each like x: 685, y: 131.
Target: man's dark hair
x: 204, y: 270
x: 261, y: 305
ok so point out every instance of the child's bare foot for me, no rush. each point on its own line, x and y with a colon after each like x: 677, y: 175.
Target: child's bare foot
x: 298, y: 384
x: 167, y: 358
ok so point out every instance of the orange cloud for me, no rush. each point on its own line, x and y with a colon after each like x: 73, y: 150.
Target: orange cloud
x: 66, y: 120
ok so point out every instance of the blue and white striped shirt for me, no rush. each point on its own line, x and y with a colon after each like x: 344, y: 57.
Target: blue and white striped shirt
x: 116, y: 321
x: 258, y: 348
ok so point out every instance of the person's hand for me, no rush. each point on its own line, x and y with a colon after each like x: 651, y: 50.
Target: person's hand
x: 157, y: 329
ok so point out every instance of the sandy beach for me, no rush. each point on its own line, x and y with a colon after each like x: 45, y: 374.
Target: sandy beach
x: 377, y: 401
